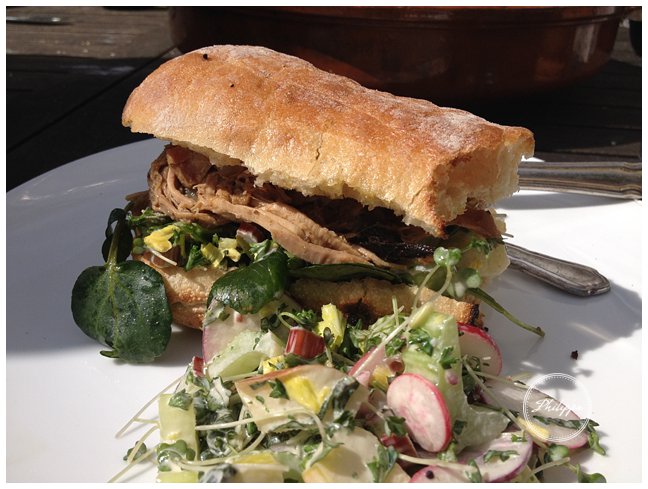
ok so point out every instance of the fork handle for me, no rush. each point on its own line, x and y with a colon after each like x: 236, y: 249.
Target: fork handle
x: 610, y: 179
x: 571, y: 277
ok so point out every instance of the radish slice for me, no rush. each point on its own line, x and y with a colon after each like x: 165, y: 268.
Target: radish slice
x: 476, y: 342
x: 512, y: 398
x: 506, y: 458
x: 432, y: 473
x: 304, y: 343
x: 367, y: 363
x: 373, y: 361
x: 419, y: 401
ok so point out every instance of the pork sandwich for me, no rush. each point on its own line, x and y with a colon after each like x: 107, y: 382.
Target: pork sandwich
x: 265, y: 148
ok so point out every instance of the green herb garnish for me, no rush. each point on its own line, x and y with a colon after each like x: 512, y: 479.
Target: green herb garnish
x: 180, y: 400
x: 123, y: 304
x: 474, y: 475
x: 502, y: 455
x: 395, y: 425
x: 447, y: 360
x: 278, y: 389
x: 382, y: 463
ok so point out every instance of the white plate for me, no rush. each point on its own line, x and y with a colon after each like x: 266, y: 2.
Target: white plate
x: 65, y: 401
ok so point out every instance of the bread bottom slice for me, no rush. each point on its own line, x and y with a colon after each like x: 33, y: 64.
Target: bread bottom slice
x: 368, y: 299
x: 187, y: 291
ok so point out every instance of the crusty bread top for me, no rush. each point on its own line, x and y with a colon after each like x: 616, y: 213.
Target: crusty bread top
x: 301, y: 128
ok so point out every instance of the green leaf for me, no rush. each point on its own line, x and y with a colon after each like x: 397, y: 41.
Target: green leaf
x: 450, y: 453
x: 483, y: 245
x: 584, y: 477
x: 123, y: 306
x: 195, y: 258
x: 447, y: 360
x: 248, y: 289
x: 148, y: 219
x: 475, y: 474
x: 422, y: 340
x: 480, y: 294
x: 382, y: 463
x: 181, y: 400
x: 140, y: 451
x: 464, y: 279
x: 345, y: 271
x: 124, y: 237
x: 517, y: 438
x: 447, y: 257
x: 556, y: 452
x: 170, y: 453
x: 278, y: 389
x: 502, y: 455
x: 259, y: 251
x: 394, y: 346
x: 346, y: 419
x: 396, y: 425
x: 593, y: 438
x: 340, y: 395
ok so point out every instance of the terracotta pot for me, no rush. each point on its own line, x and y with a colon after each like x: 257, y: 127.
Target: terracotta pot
x: 443, y: 54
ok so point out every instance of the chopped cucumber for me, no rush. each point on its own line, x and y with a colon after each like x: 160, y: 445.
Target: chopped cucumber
x: 443, y: 367
x: 270, y: 344
x: 176, y: 425
x: 185, y: 476
x: 243, y: 354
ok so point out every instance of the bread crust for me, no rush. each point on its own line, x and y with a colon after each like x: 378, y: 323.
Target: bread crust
x: 321, y: 134
x: 368, y: 299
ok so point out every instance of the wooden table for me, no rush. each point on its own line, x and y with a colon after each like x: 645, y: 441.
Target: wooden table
x: 67, y: 84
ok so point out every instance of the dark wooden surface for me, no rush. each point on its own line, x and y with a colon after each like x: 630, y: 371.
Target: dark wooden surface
x: 67, y: 84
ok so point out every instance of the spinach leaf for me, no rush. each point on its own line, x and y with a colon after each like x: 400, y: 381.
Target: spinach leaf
x: 123, y: 305
x: 344, y: 271
x: 124, y: 237
x: 248, y: 289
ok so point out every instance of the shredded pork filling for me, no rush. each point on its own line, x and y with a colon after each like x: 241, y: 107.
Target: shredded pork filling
x: 185, y: 186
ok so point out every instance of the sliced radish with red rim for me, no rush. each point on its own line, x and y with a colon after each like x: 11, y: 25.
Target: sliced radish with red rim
x: 419, y: 401
x: 476, y: 342
x: 501, y: 459
x: 512, y: 397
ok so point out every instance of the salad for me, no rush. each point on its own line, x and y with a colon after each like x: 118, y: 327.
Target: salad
x: 286, y: 394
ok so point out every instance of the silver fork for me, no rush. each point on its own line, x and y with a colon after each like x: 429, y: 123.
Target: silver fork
x: 610, y: 179
x: 571, y: 277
